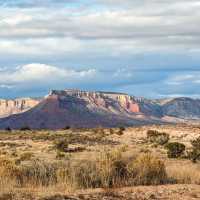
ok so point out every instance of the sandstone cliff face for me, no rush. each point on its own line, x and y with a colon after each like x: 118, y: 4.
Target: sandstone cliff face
x: 9, y: 107
x: 104, y: 100
x: 78, y: 108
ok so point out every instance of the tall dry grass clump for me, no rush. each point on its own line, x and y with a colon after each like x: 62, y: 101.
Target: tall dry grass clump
x: 109, y: 169
x: 148, y: 170
x: 84, y: 175
x: 9, y: 172
x: 38, y: 173
x: 112, y: 168
x: 35, y: 173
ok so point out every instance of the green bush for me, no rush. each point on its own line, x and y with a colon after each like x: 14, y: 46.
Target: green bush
x: 62, y: 145
x: 66, y: 128
x: 112, y: 131
x: 175, y: 149
x: 60, y: 155
x: 119, y: 132
x: 160, y: 138
x: 194, y: 155
x: 26, y: 156
x: 25, y: 128
x: 8, y: 129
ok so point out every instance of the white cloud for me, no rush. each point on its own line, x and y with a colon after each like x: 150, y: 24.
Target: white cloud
x: 41, y: 74
x: 184, y: 78
x: 35, y: 75
x: 16, y: 19
x: 146, y: 26
x: 106, y: 34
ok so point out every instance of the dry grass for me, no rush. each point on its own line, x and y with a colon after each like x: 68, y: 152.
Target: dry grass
x: 30, y: 163
x: 108, y: 170
x: 184, y: 173
x: 148, y: 170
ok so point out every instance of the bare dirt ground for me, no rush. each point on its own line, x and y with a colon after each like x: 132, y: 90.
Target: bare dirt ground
x: 164, y: 192
x: 175, y: 192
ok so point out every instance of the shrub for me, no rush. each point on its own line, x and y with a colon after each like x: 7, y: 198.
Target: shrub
x: 148, y: 170
x: 194, y: 155
x: 85, y: 175
x: 108, y: 170
x: 38, y: 173
x: 60, y: 155
x: 25, y: 128
x: 175, y: 149
x: 62, y: 145
x: 196, y: 143
x: 121, y: 131
x: 8, y: 129
x: 160, y: 138
x: 26, y: 156
x: 35, y: 173
x: 112, y: 168
x: 8, y: 168
x: 112, y: 131
x: 67, y: 127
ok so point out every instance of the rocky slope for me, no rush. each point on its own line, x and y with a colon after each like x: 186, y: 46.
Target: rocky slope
x: 9, y: 107
x: 90, y: 109
x: 184, y: 108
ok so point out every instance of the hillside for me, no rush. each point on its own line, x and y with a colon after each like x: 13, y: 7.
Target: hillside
x: 76, y: 108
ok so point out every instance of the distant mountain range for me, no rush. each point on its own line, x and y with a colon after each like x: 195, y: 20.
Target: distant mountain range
x: 76, y: 108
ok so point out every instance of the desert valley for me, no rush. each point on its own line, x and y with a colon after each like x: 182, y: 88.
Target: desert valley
x: 99, y: 100
x: 143, y: 163
x: 75, y: 145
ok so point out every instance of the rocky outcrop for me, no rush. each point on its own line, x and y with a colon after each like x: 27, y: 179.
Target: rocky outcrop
x: 102, y: 99
x: 78, y: 108
x: 9, y: 107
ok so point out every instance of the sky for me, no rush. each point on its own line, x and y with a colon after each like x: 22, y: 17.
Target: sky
x: 148, y: 48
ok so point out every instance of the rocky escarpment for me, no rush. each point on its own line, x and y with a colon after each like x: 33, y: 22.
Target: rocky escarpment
x: 9, y: 107
x: 111, y: 101
x: 78, y: 108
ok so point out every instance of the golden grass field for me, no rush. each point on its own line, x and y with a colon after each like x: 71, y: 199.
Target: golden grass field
x: 97, y: 164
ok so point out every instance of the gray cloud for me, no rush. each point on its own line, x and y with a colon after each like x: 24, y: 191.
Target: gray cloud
x: 153, y: 40
x: 43, y: 77
x: 34, y: 3
x: 35, y: 77
x: 134, y: 28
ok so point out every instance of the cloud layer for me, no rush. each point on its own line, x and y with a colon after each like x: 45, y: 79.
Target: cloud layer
x: 146, y: 43
x: 34, y: 79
